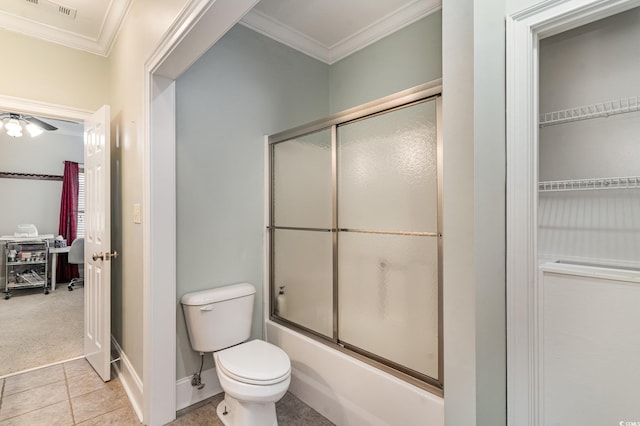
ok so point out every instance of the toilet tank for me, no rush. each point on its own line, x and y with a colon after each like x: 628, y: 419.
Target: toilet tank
x: 219, y: 317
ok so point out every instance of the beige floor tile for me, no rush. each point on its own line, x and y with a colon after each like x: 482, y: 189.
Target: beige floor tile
x: 33, y: 379
x: 85, y: 383
x: 203, y: 416
x: 32, y: 399
x: 120, y: 417
x: 97, y: 403
x: 77, y: 367
x: 54, y: 415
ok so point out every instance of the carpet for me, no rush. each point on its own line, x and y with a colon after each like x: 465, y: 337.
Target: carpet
x: 38, y: 329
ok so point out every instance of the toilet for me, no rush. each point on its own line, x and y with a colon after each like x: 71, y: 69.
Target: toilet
x: 255, y: 374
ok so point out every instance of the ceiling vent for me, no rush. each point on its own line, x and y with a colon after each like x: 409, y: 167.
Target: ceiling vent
x: 53, y: 7
x: 67, y: 11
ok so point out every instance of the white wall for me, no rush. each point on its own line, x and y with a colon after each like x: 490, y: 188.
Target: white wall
x: 28, y: 200
x: 142, y: 30
x: 591, y: 64
x: 473, y: 72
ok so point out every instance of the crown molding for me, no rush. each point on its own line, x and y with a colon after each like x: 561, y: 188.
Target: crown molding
x: 385, y: 26
x: 276, y: 30
x: 32, y: 107
x: 112, y: 23
x: 100, y: 45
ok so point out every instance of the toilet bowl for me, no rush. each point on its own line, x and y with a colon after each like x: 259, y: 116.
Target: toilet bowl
x: 254, y: 376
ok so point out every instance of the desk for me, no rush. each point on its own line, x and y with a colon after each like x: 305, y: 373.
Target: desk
x: 53, y: 251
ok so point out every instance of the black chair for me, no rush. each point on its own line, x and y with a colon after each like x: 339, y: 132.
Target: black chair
x: 76, y: 257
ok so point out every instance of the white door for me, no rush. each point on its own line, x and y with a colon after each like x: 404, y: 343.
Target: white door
x: 97, y: 250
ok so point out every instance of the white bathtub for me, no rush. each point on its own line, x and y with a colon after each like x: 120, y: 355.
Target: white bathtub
x: 349, y: 392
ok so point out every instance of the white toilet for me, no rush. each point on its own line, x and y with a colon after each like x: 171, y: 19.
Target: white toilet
x: 254, y: 375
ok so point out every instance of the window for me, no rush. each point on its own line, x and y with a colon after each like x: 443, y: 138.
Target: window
x: 81, y: 198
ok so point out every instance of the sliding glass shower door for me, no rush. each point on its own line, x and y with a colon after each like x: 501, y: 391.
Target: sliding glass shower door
x: 388, y: 239
x: 355, y: 234
x: 302, y: 244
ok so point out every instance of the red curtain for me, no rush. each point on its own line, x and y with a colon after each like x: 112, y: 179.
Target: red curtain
x: 68, y: 219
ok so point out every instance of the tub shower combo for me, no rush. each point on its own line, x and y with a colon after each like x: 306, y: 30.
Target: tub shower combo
x: 355, y: 241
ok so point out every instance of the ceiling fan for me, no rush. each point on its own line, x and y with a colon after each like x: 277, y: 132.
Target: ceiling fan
x: 14, y: 124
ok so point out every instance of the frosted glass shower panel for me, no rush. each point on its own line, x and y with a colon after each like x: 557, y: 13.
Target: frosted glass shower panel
x: 303, y: 278
x: 388, y: 297
x: 387, y: 171
x: 302, y: 181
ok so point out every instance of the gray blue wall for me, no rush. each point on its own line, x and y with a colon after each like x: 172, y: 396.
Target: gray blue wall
x: 245, y: 87
x: 404, y: 59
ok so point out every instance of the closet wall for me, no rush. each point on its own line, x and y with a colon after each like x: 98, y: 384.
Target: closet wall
x: 595, y: 65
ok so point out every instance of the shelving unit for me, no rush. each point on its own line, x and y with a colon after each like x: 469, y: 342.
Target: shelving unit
x: 25, y: 265
x: 586, y: 112
x: 629, y: 182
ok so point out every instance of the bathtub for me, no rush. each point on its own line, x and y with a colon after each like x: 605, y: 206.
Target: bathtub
x: 349, y: 392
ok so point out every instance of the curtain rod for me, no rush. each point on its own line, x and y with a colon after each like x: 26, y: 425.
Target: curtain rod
x: 32, y: 176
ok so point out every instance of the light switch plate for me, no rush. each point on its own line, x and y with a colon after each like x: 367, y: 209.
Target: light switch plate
x: 137, y: 213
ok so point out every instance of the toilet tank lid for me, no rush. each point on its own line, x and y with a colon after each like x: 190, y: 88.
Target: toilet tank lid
x: 219, y: 294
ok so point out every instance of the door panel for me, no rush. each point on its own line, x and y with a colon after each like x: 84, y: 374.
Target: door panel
x: 97, y: 339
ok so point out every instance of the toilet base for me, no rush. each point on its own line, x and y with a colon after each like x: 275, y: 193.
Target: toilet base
x: 232, y: 413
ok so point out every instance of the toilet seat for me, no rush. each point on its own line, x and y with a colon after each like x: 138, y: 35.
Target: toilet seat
x: 256, y: 362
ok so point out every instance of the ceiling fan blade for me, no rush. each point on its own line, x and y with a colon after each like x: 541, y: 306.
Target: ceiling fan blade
x: 40, y: 123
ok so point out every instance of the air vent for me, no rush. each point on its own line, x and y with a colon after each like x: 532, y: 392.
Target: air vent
x: 33, y: 1
x: 60, y: 9
x: 67, y: 11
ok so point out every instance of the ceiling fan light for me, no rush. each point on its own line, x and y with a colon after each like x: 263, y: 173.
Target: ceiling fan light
x: 34, y: 130
x: 13, y: 127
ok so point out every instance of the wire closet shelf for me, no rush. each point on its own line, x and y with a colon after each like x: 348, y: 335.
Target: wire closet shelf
x: 628, y: 182
x: 586, y: 112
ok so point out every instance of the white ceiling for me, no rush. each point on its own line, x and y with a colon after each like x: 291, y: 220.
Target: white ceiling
x: 89, y: 25
x: 328, y: 30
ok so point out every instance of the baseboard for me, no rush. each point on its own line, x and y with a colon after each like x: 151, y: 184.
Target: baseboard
x: 129, y: 378
x: 187, y: 395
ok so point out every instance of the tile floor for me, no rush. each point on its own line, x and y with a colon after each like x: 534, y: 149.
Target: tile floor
x: 65, y: 394
x: 290, y: 411
x: 72, y: 394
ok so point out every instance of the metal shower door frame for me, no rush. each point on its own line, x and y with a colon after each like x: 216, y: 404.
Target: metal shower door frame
x: 423, y: 93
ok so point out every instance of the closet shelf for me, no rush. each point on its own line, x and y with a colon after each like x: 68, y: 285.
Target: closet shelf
x: 628, y: 182
x: 604, y: 109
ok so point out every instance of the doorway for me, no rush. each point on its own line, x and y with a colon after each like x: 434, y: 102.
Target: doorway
x: 68, y: 309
